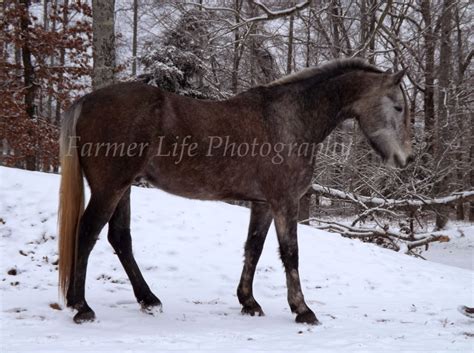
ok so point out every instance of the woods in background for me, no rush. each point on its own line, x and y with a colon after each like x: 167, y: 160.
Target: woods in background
x: 214, y: 49
x: 45, y: 60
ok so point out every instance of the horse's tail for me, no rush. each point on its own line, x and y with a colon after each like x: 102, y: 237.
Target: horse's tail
x: 71, y: 196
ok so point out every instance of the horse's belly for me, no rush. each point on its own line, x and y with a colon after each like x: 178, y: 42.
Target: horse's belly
x: 203, y: 181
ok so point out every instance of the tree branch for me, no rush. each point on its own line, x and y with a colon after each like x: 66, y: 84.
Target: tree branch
x: 395, y: 239
x: 271, y: 15
x: 393, y: 203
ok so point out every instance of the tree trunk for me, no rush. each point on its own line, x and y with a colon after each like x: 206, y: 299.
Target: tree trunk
x: 42, y: 106
x: 237, y: 48
x: 334, y: 9
x: 462, y: 154
x: 364, y: 25
x: 471, y: 172
x: 460, y: 211
x: 289, y: 59
x: 444, y: 75
x: 45, y: 15
x: 373, y: 20
x: 429, y: 41
x: 134, y: 38
x: 3, y: 25
x: 28, y: 70
x: 54, y: 10
x: 103, y: 45
x: 253, y: 46
x: 28, y: 76
x: 442, y: 134
x: 62, y: 58
x: 308, y: 38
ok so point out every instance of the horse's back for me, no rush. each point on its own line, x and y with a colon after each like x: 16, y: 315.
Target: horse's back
x: 133, y: 106
x: 119, y: 105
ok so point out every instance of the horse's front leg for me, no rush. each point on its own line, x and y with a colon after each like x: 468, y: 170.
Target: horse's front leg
x: 286, y: 216
x: 260, y: 220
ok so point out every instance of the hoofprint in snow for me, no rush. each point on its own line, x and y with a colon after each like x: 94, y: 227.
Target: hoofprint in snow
x: 368, y: 298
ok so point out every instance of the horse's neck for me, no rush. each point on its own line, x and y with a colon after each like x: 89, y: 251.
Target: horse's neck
x: 329, y: 105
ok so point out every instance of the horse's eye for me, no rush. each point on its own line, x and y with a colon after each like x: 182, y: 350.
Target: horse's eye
x: 398, y: 109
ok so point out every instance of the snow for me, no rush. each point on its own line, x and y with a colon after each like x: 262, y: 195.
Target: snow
x: 459, y: 251
x: 368, y: 298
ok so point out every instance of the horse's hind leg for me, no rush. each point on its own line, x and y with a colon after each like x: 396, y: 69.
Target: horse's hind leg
x: 260, y: 221
x: 96, y: 215
x: 120, y: 238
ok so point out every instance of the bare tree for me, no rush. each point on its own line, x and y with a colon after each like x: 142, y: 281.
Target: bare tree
x: 134, y: 37
x: 103, y: 43
x: 28, y: 73
x: 289, y: 59
x: 62, y: 58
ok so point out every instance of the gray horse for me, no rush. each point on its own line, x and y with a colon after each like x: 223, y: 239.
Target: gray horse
x: 257, y: 146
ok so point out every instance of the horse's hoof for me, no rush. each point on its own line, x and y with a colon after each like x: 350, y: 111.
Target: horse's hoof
x: 149, y: 299
x: 84, y: 316
x: 254, y: 310
x: 153, y: 309
x: 307, y: 317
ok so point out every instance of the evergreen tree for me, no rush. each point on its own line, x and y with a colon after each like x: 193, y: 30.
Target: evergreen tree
x: 178, y: 63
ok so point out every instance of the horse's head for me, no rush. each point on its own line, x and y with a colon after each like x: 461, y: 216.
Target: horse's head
x: 383, y: 115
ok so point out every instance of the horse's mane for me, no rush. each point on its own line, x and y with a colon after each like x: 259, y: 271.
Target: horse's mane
x: 331, y: 69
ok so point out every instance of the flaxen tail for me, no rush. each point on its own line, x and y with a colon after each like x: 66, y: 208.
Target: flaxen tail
x: 71, y: 196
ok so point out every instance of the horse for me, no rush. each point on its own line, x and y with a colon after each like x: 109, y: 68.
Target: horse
x: 132, y: 130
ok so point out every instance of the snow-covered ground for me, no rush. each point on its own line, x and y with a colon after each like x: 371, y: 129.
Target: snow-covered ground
x: 459, y: 251
x: 368, y: 298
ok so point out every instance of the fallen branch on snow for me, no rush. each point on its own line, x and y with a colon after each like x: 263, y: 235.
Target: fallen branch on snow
x: 366, y: 201
x: 395, y: 240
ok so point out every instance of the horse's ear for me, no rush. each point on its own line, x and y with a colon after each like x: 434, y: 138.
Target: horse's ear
x: 396, y: 78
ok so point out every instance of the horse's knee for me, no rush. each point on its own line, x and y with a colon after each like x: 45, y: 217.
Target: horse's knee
x: 289, y: 255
